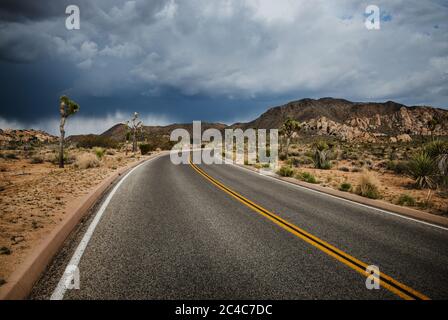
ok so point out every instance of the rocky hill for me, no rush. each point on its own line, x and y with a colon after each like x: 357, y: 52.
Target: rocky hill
x: 31, y: 136
x: 356, y: 120
x: 346, y: 120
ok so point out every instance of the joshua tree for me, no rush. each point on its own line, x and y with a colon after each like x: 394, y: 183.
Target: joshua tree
x: 67, y: 108
x: 135, y: 126
x: 289, y: 127
x: 322, y: 155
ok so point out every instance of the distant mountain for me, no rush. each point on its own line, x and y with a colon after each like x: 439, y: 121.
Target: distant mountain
x: 355, y: 120
x: 363, y: 121
x: 349, y: 121
x: 118, y: 131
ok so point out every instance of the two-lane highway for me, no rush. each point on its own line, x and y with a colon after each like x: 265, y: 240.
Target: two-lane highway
x: 175, y: 232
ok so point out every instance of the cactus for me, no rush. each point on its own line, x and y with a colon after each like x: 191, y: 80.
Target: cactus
x: 67, y: 108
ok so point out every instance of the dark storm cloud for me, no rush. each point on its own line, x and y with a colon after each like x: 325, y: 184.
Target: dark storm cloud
x: 216, y: 60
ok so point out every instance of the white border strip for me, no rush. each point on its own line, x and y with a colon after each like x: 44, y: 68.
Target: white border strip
x: 336, y: 197
x: 59, y: 291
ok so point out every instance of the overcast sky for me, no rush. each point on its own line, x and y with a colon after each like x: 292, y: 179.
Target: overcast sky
x: 227, y: 61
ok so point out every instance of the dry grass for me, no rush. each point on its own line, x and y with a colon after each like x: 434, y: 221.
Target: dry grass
x: 368, y: 186
x: 87, y: 161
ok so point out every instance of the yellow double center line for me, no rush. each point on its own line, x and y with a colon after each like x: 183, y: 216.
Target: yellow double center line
x: 386, y: 282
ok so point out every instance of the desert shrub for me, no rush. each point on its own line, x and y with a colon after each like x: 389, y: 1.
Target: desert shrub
x: 145, y: 148
x: 91, y: 141
x: 344, y: 169
x: 321, y: 145
x: 304, y: 160
x: 282, y: 156
x: 68, y: 158
x: 99, y: 152
x: 285, y: 171
x: 294, y: 153
x: 309, y: 154
x: 10, y: 156
x: 423, y: 170
x: 293, y: 161
x: 406, y: 200
x: 86, y: 161
x: 436, y: 148
x: 345, y: 186
x: 398, y: 167
x: 111, y: 152
x: 368, y: 186
x: 306, y: 176
x: 393, y: 156
x: 37, y: 160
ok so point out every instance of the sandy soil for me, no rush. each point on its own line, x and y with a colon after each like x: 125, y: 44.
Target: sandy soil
x: 391, y: 186
x: 33, y: 199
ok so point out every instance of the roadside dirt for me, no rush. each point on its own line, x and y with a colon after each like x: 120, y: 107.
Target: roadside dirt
x: 34, y: 199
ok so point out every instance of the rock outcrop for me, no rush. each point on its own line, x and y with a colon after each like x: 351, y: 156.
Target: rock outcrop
x: 350, y: 121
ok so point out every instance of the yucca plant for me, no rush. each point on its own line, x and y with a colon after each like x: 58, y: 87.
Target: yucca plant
x: 423, y: 170
x: 67, y: 108
x: 438, y: 151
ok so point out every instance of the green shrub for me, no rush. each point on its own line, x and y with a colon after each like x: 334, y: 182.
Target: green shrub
x: 146, y: 148
x: 285, y: 171
x: 406, y: 200
x: 398, y: 167
x: 99, y: 152
x: 10, y: 156
x: 306, y: 176
x: 345, y: 186
x: 282, y: 156
x: 68, y: 158
x: 294, y: 153
x: 92, y: 141
x: 293, y: 161
x: 321, y: 145
x: 436, y: 148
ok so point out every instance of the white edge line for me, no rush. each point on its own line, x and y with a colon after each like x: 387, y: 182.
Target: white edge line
x: 336, y: 197
x: 61, y: 288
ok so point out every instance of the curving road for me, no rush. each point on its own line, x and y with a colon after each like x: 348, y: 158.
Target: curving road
x: 169, y: 232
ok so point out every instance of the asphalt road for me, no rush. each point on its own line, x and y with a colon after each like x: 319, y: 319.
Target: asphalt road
x: 170, y: 233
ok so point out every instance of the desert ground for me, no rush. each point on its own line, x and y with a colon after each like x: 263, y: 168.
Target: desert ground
x: 35, y: 192
x: 382, y: 165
